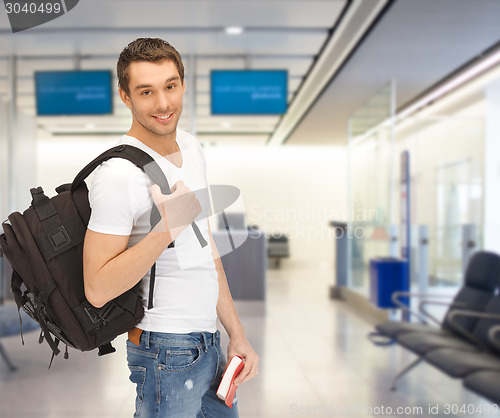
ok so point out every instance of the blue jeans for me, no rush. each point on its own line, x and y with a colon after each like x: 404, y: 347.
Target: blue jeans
x: 177, y: 375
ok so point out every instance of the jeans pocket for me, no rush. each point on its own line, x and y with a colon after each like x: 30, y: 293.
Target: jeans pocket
x: 138, y: 377
x: 181, y: 359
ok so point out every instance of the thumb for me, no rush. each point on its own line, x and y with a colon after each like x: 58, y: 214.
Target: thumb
x: 179, y: 183
x: 156, y: 193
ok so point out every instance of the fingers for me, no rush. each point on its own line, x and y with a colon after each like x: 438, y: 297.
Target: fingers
x: 249, y: 371
x: 179, y: 184
x: 157, y: 194
x: 178, y: 209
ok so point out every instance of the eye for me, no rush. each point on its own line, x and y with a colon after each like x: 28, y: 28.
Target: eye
x: 146, y: 93
x: 170, y: 87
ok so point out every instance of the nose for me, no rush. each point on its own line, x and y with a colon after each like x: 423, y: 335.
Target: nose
x: 162, y: 102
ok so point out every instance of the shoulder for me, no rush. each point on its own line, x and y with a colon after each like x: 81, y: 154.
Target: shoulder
x: 118, y: 167
x: 118, y: 172
x: 118, y: 188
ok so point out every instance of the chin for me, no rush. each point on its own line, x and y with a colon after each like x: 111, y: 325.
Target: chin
x: 166, y: 133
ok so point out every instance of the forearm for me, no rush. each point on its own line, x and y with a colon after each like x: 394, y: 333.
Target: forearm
x: 238, y: 343
x: 226, y: 311
x: 106, y: 279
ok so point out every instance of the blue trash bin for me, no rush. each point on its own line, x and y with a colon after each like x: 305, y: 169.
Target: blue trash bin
x: 388, y: 275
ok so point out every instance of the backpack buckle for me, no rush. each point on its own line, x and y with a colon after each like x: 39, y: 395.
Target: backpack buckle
x: 93, y: 315
x: 96, y: 316
x: 59, y: 238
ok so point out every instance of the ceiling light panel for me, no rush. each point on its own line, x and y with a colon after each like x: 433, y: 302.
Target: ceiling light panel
x: 234, y: 30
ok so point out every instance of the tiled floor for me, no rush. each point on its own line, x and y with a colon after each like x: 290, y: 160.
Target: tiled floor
x: 315, y: 360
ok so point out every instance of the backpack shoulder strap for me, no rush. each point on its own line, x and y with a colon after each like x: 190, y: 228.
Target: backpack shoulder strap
x: 133, y: 154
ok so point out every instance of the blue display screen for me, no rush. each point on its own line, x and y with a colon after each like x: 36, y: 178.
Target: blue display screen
x: 249, y: 92
x: 73, y: 93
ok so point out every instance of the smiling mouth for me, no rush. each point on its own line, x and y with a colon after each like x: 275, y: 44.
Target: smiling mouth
x: 163, y: 118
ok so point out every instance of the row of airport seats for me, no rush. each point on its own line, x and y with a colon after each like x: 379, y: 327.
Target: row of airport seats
x: 466, y: 343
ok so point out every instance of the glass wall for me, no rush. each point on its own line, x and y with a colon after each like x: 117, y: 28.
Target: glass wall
x: 446, y: 193
x: 370, y: 174
x: 446, y: 160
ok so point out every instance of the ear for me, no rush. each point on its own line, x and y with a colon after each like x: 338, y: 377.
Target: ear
x: 125, y: 98
x: 183, y: 86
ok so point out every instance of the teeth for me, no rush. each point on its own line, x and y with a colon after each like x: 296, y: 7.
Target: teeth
x: 164, y: 117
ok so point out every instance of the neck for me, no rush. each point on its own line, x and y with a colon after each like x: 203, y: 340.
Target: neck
x: 162, y: 144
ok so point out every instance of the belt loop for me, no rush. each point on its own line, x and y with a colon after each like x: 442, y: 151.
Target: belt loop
x: 204, y: 337
x: 147, y: 337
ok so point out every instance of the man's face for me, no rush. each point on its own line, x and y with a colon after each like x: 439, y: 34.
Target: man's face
x: 155, y: 97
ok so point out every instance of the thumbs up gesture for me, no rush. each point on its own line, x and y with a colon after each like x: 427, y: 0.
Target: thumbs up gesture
x: 178, y: 209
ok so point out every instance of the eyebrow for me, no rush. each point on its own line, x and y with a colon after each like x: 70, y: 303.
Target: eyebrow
x: 169, y: 80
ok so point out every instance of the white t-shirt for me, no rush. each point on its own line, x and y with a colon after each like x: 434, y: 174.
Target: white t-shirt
x: 186, y: 287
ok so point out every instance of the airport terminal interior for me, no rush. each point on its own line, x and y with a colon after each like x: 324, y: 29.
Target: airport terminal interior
x: 362, y: 250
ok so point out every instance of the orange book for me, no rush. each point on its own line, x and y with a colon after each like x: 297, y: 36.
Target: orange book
x: 227, y: 388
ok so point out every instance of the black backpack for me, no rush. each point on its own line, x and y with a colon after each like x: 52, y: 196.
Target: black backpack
x: 44, y: 247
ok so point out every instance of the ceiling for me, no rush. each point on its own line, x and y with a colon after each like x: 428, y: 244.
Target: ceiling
x: 278, y: 34
x: 416, y: 43
x: 332, y: 68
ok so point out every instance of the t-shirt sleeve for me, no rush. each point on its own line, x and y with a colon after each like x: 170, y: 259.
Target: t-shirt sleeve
x: 115, y: 197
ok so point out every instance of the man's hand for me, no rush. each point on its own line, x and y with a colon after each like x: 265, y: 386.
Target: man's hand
x: 178, y: 209
x: 241, y: 347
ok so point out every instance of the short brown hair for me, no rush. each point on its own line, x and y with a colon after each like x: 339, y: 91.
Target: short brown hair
x: 146, y: 49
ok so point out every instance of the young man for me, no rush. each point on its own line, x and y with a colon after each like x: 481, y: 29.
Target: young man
x: 174, y: 354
